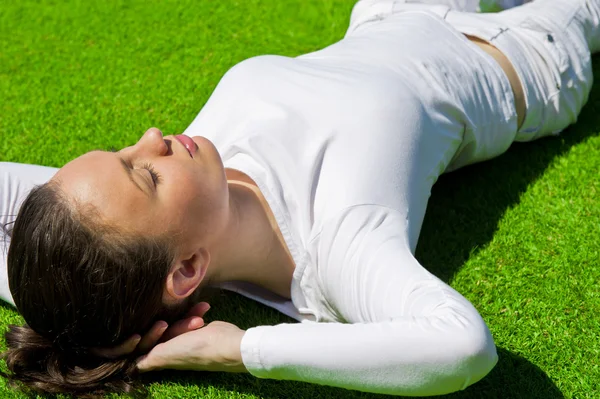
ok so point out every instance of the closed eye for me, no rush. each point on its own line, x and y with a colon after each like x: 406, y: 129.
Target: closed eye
x: 156, y: 178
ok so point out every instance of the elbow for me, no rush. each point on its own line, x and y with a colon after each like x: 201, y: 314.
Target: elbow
x: 477, y: 354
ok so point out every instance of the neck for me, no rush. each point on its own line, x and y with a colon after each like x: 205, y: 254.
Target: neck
x: 251, y: 248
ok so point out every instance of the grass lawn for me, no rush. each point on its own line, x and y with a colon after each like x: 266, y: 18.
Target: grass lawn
x: 517, y: 235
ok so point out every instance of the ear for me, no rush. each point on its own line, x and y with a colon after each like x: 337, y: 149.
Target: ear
x: 186, y: 275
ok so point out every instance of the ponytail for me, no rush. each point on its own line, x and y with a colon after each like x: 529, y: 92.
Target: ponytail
x: 77, y: 282
x: 36, y: 363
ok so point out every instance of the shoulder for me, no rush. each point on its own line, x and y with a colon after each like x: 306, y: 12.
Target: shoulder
x: 256, y: 66
x: 250, y: 77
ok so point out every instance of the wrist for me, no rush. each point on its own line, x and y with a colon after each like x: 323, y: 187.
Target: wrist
x: 233, y: 361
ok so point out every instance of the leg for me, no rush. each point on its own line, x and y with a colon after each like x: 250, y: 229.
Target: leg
x: 499, y: 5
x: 367, y: 10
x: 548, y: 44
x: 474, y: 5
x: 16, y: 180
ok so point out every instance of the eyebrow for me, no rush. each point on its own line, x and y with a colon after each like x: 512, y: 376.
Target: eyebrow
x: 130, y: 175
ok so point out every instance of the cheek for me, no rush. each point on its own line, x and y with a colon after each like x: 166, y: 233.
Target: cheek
x: 195, y: 195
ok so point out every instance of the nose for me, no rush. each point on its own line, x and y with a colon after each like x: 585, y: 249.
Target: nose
x: 152, y: 141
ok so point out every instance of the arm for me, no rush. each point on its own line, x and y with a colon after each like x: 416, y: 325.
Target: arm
x: 410, y: 333
x: 16, y: 180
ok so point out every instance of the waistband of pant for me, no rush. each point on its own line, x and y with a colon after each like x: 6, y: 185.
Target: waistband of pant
x: 512, y: 46
x: 505, y: 95
x: 515, y: 46
x: 486, y: 27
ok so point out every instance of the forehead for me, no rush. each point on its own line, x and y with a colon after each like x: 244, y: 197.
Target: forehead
x: 98, y: 179
x: 89, y: 176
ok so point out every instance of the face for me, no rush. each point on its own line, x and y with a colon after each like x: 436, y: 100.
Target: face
x: 154, y: 187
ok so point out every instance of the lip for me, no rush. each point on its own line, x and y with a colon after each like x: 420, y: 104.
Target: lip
x: 188, y: 143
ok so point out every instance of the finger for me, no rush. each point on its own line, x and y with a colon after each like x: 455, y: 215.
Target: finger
x: 183, y: 326
x: 193, y: 321
x: 198, y: 309
x: 152, y: 337
x: 117, y: 351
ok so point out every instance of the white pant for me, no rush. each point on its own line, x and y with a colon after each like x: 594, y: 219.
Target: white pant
x: 548, y: 43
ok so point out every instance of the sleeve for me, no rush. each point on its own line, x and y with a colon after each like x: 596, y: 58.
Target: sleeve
x: 16, y: 181
x: 405, y: 333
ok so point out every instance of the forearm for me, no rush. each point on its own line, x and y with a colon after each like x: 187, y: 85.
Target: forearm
x: 416, y: 356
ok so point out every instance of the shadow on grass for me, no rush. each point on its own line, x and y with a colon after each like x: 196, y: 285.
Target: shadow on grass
x: 462, y: 216
x: 466, y: 205
x: 513, y: 377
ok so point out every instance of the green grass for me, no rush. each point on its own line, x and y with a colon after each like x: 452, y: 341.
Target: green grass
x: 517, y: 235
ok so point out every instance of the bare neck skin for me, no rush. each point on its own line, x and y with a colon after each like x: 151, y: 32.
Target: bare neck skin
x: 252, y: 248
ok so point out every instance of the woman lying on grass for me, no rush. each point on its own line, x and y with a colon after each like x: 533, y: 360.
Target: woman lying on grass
x: 302, y: 183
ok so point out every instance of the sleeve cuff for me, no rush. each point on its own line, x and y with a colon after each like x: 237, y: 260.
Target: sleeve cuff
x: 250, y: 349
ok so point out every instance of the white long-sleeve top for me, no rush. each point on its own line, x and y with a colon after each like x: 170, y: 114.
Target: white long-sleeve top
x: 345, y: 144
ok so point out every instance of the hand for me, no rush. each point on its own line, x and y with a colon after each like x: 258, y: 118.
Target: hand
x: 160, y: 331
x: 215, y: 347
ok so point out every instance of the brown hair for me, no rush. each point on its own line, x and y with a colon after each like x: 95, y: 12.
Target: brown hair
x: 79, y: 284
